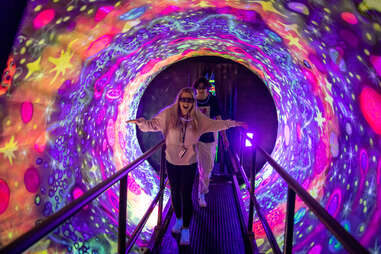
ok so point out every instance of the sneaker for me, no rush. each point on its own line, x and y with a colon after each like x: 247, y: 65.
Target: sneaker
x: 176, y: 229
x: 201, y: 200
x: 184, y: 240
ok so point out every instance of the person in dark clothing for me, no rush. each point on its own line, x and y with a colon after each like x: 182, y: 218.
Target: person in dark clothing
x: 208, y: 105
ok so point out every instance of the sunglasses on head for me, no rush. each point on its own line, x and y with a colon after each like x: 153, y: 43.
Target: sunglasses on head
x: 188, y: 100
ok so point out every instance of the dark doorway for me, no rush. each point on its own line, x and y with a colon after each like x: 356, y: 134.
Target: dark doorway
x: 242, y: 95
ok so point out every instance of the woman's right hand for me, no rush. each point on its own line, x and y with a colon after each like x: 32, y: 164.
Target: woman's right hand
x: 135, y: 121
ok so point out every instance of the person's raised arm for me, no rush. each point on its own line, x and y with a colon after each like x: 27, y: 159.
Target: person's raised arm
x: 210, y: 125
x: 157, y: 123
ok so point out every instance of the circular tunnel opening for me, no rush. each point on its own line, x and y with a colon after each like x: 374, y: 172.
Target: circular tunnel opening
x: 242, y: 96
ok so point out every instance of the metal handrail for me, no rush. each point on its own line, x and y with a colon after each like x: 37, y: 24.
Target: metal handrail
x: 39, y: 231
x: 269, y: 234
x: 347, y: 240
x: 143, y: 221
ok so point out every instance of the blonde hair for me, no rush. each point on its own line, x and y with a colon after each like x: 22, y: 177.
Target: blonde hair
x: 175, y: 116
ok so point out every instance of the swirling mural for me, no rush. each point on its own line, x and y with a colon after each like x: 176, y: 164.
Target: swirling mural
x: 79, y: 68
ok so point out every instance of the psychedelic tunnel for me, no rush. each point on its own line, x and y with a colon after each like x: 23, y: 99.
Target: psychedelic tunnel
x: 78, y: 70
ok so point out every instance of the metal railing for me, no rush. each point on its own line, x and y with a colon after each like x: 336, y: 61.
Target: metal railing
x: 35, y: 234
x: 347, y: 240
x: 238, y: 170
x: 294, y: 188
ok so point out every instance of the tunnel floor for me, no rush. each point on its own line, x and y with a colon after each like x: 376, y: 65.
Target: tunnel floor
x: 215, y: 228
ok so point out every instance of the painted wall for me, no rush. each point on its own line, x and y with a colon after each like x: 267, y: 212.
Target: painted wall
x: 78, y: 72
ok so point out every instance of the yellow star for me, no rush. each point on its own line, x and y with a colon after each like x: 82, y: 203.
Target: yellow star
x: 204, y: 4
x: 33, y: 67
x: 319, y: 119
x: 369, y: 5
x: 9, y: 149
x: 268, y: 6
x: 293, y: 41
x: 61, y: 63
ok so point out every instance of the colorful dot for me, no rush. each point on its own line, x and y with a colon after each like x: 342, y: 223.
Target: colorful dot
x: 370, y: 104
x: 376, y: 62
x: 102, y: 12
x: 287, y: 135
x: 349, y: 18
x: 32, y: 180
x: 298, y: 7
x: 364, y: 162
x: 78, y: 192
x: 133, y: 13
x: 4, y: 196
x: 334, y: 202
x: 26, y: 111
x: 315, y: 250
x: 43, y: 18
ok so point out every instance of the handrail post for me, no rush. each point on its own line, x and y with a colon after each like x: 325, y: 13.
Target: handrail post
x: 160, y: 206
x: 241, y: 148
x: 221, y: 153
x: 122, y: 214
x: 289, y: 229
x: 252, y: 189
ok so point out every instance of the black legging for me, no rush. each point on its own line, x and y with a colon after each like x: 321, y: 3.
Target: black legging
x: 181, y: 178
